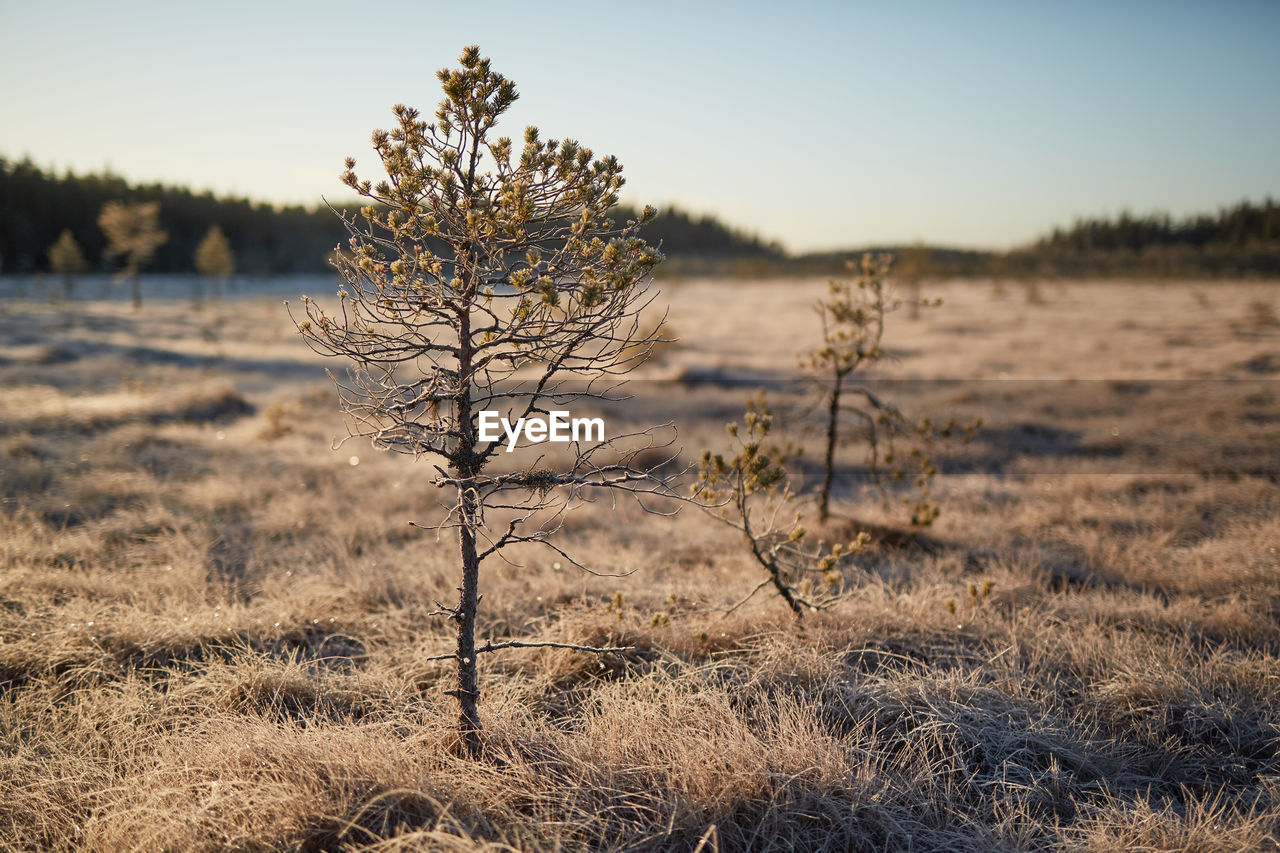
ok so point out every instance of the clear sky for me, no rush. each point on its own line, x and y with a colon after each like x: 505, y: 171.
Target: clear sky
x: 824, y: 125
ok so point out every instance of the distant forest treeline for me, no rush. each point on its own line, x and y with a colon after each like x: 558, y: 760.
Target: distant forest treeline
x: 36, y: 205
x: 1239, y: 241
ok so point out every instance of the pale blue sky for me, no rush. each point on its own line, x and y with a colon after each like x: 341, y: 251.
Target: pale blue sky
x: 824, y: 125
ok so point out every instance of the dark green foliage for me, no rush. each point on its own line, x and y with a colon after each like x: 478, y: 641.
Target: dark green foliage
x: 1240, y: 226
x: 681, y: 233
x: 1240, y: 240
x: 36, y: 206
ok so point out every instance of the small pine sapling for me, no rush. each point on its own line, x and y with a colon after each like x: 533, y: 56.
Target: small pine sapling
x: 133, y: 234
x: 853, y: 318
x: 488, y: 277
x: 751, y: 491
x: 214, y: 259
x: 66, y: 259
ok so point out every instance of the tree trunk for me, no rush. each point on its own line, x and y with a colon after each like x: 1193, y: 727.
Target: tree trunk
x: 135, y: 282
x: 468, y: 689
x: 775, y: 575
x: 829, y: 462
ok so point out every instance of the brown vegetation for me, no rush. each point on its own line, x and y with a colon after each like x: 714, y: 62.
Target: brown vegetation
x: 213, y: 632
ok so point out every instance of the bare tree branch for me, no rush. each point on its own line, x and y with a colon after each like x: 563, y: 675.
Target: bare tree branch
x: 521, y: 644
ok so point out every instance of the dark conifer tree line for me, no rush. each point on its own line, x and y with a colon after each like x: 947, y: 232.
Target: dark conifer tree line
x: 37, y: 205
x: 1240, y: 240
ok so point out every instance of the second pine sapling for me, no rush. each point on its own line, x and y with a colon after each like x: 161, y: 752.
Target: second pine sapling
x: 214, y: 259
x: 853, y: 318
x: 750, y: 491
x: 133, y: 234
x: 66, y: 259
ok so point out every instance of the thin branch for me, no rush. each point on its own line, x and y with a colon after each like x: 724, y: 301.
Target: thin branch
x: 520, y: 644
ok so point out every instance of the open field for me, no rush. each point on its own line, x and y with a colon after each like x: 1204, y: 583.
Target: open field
x: 213, y: 626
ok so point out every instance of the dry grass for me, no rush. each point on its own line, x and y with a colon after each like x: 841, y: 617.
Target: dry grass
x: 213, y: 630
